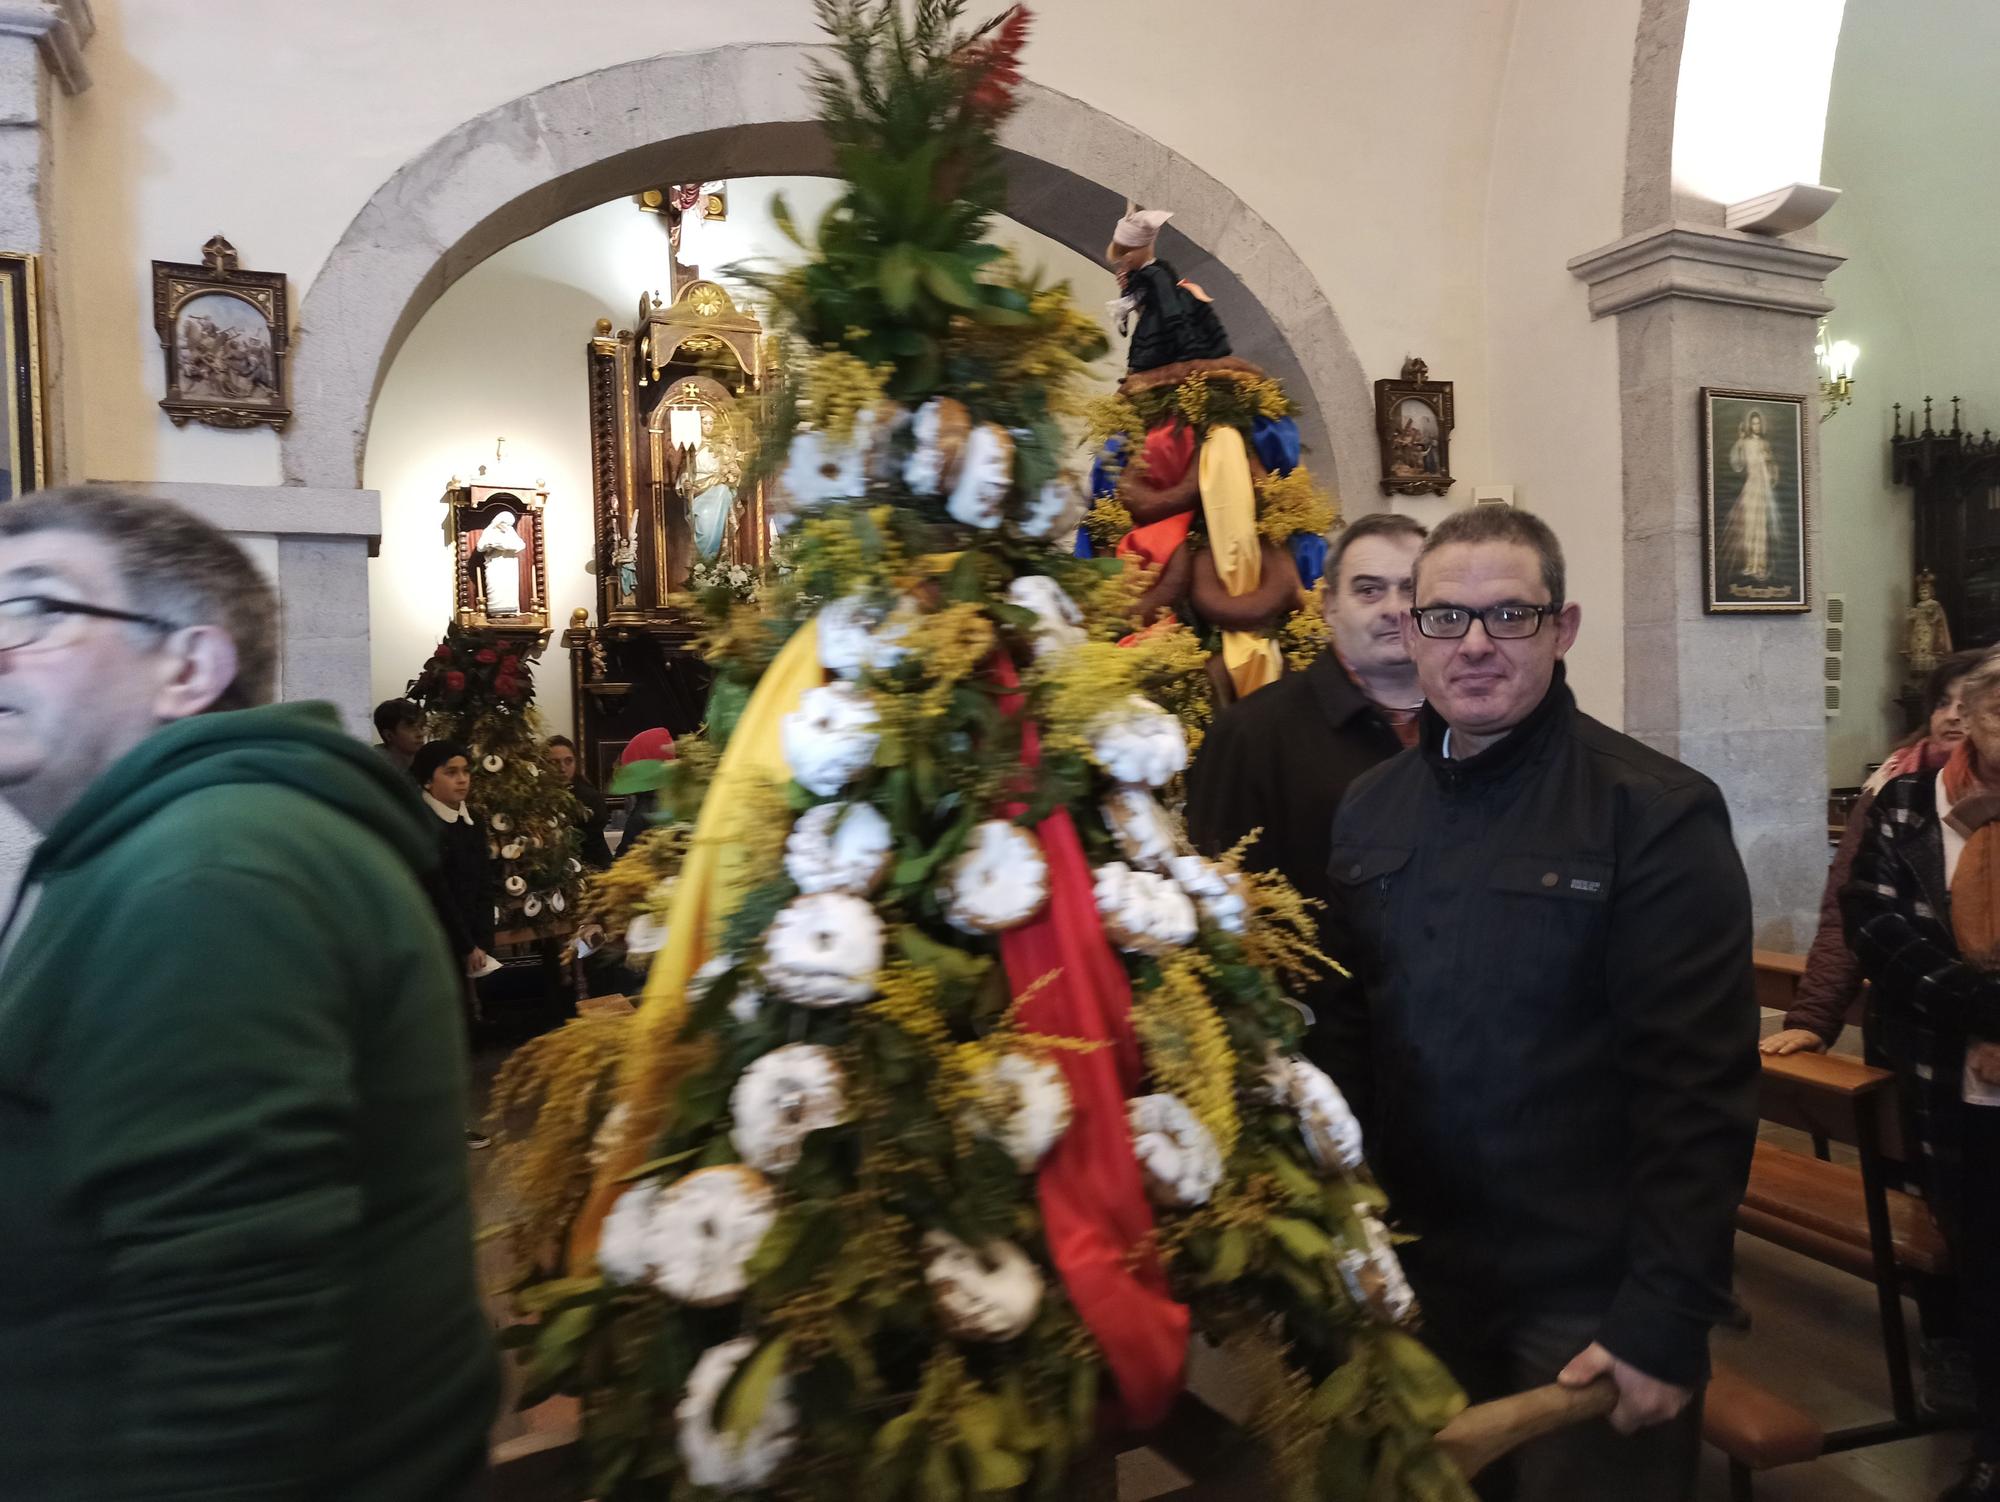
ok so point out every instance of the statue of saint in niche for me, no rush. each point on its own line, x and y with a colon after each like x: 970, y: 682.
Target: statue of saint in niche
x: 503, y: 559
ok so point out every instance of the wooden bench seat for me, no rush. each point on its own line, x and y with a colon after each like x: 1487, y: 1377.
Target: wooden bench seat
x: 1845, y: 1215
x: 1755, y: 1428
x: 1819, y: 1209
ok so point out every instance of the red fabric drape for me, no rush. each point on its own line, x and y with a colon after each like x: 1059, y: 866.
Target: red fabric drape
x: 1156, y: 542
x: 1094, y: 1209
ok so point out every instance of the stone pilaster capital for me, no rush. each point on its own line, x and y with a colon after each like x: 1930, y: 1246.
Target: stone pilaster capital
x: 59, y: 29
x: 1706, y: 264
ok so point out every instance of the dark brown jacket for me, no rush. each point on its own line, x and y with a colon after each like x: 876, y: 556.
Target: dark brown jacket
x: 1832, y: 980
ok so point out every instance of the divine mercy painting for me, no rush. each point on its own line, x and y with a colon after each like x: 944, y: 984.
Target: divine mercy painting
x: 1754, y: 502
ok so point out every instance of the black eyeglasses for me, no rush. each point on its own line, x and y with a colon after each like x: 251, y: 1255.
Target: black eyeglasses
x: 26, y: 619
x: 1502, y: 622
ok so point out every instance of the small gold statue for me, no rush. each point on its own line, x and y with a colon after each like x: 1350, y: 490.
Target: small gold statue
x: 1926, y: 633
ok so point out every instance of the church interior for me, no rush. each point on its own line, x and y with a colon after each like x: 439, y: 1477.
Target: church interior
x: 1696, y: 282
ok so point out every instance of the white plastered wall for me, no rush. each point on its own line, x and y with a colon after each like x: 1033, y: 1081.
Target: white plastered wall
x: 1556, y: 188
x: 1363, y: 139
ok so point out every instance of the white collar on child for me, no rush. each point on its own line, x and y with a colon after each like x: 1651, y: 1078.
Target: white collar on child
x: 459, y: 815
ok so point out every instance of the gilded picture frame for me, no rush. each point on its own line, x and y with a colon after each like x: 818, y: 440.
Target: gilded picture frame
x: 26, y: 454
x: 1755, y: 554
x: 225, y: 333
x: 1413, y: 421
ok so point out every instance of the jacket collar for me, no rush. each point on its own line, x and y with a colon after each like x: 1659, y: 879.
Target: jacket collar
x: 1339, y: 698
x: 1515, y: 748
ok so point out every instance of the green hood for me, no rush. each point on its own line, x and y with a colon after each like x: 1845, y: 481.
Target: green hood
x: 299, y: 746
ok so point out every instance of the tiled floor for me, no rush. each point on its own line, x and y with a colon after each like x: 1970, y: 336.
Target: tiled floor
x: 1813, y: 1340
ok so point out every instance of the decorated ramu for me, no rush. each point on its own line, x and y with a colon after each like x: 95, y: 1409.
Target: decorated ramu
x: 962, y: 1094
x: 1199, y: 478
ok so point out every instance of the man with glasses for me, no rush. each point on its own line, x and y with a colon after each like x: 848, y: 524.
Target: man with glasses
x: 236, y: 1249
x: 1552, y: 1035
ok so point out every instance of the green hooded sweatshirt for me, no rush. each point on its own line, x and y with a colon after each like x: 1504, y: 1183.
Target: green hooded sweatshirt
x: 235, y: 1229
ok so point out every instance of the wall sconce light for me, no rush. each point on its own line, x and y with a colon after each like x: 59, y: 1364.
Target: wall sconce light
x: 1836, y: 358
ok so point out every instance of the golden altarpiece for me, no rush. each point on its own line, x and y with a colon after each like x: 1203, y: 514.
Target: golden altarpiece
x: 670, y: 409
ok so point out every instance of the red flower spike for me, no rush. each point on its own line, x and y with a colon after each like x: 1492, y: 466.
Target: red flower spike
x: 993, y: 67
x: 486, y: 654
x: 454, y: 681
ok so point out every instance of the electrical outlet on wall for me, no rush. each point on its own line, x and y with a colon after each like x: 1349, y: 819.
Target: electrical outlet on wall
x: 1492, y: 495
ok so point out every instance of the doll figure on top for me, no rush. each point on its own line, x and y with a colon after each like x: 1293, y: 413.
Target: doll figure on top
x: 1175, y: 320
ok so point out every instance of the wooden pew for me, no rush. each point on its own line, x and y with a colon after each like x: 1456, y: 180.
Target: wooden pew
x: 1778, y: 976
x: 1845, y: 1215
x: 1756, y: 1429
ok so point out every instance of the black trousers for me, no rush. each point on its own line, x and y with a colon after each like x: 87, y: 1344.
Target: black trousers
x: 1977, y: 1257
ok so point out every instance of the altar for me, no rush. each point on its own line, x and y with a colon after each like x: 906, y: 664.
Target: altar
x: 672, y: 404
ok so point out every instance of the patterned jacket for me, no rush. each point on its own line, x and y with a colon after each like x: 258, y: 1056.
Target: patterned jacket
x: 1898, y: 912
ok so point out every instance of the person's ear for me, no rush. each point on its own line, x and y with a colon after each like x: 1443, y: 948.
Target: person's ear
x: 200, y: 665
x: 1407, y: 625
x: 1568, y: 620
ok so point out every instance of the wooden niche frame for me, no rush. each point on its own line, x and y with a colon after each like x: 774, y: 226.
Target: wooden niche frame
x: 225, y: 334
x: 25, y: 452
x: 1413, y: 423
x: 473, y: 504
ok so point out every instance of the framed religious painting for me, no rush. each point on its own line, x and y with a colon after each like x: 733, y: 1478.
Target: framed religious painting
x: 1413, y: 422
x: 25, y: 457
x: 1753, y: 503
x: 225, y: 335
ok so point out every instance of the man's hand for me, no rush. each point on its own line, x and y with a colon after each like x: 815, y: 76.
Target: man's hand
x: 1643, y: 1401
x: 475, y: 962
x: 1984, y: 1057
x: 1794, y: 1040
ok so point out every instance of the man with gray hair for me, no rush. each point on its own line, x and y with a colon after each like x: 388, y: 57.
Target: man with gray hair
x: 236, y: 1254
x: 1552, y: 1042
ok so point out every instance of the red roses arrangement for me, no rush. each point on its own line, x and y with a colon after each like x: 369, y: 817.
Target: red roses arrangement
x: 471, y: 669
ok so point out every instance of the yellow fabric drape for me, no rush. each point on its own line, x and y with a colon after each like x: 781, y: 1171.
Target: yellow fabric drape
x: 1229, y: 507
x: 704, y: 895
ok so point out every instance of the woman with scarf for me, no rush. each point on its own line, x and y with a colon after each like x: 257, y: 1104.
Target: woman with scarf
x: 1832, y: 980
x: 1923, y: 915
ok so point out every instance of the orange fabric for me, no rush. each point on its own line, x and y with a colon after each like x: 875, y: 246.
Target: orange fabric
x: 1156, y: 542
x: 1963, y: 774
x: 1975, y: 886
x: 1168, y: 451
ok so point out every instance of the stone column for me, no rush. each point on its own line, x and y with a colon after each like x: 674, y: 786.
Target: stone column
x: 1736, y: 696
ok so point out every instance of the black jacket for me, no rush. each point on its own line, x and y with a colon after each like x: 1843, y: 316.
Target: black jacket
x: 464, y: 885
x: 594, y: 852
x: 1553, y: 1042
x: 1280, y: 761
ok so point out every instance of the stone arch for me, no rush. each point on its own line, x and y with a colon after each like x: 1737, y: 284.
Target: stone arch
x: 745, y: 110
